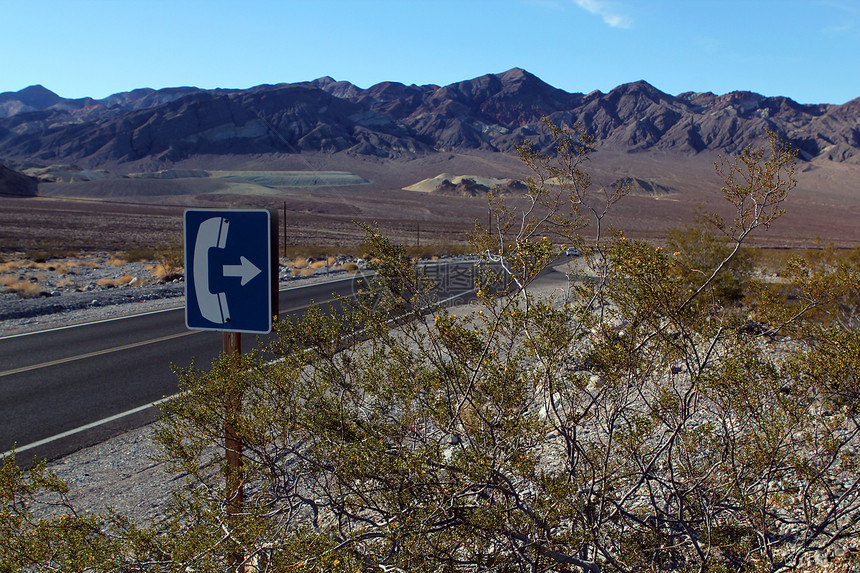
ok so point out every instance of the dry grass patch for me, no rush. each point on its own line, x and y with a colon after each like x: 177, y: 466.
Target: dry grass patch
x: 59, y: 267
x: 8, y: 280
x: 140, y: 254
x: 120, y: 281
x: 66, y: 282
x: 303, y: 272
x: 24, y: 289
x: 318, y: 264
x: 350, y: 267
x: 164, y: 273
x: 9, y: 266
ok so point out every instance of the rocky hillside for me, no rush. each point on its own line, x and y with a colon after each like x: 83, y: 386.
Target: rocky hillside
x: 391, y: 120
x: 14, y: 184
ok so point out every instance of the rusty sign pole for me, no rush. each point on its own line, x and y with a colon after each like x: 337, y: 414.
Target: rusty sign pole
x: 235, y: 489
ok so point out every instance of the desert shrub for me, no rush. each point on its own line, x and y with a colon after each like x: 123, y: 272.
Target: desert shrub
x: 38, y: 256
x: 170, y: 255
x: 140, y: 254
x: 43, y: 255
x: 300, y: 263
x: 633, y: 425
x: 770, y: 260
x: 107, y: 281
x: 698, y: 251
x: 166, y: 273
x: 25, y: 289
x: 10, y: 266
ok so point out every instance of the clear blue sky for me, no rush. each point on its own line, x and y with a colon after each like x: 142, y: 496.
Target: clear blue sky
x: 808, y: 50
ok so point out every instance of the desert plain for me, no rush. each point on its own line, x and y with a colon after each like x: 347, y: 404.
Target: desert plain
x: 119, y: 212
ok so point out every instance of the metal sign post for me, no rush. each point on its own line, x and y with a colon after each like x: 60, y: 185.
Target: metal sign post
x: 231, y: 286
x: 235, y: 488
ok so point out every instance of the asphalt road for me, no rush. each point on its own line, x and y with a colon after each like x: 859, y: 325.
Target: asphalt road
x: 68, y: 388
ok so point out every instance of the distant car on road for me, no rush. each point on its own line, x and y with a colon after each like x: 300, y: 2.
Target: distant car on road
x: 572, y: 252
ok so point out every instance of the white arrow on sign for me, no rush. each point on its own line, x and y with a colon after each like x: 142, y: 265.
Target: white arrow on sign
x: 246, y: 269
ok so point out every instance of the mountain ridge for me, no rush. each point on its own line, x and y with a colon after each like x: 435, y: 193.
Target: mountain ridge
x: 390, y: 120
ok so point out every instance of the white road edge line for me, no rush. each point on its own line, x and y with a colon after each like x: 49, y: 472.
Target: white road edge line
x: 86, y: 427
x: 121, y: 415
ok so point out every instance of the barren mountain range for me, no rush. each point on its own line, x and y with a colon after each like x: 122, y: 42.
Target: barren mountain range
x: 392, y: 136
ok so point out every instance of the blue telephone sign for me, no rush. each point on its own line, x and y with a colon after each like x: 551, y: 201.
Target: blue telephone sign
x: 230, y: 284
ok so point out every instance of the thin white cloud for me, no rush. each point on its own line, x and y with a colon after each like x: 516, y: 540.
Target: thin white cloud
x: 846, y: 14
x: 611, y: 16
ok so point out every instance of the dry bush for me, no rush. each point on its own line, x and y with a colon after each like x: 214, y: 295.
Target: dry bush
x: 36, y: 277
x: 123, y: 280
x: 38, y: 256
x: 9, y: 266
x: 771, y: 260
x: 117, y: 262
x: 140, y: 254
x: 24, y: 289
x: 42, y: 256
x: 59, y: 267
x: 318, y: 264
x: 300, y: 263
x: 350, y: 267
x: 162, y: 272
x: 303, y: 272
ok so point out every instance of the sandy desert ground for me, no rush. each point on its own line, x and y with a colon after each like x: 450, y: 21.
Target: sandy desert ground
x: 124, y: 213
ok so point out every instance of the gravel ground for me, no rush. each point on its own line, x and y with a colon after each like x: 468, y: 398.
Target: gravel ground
x: 82, y: 290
